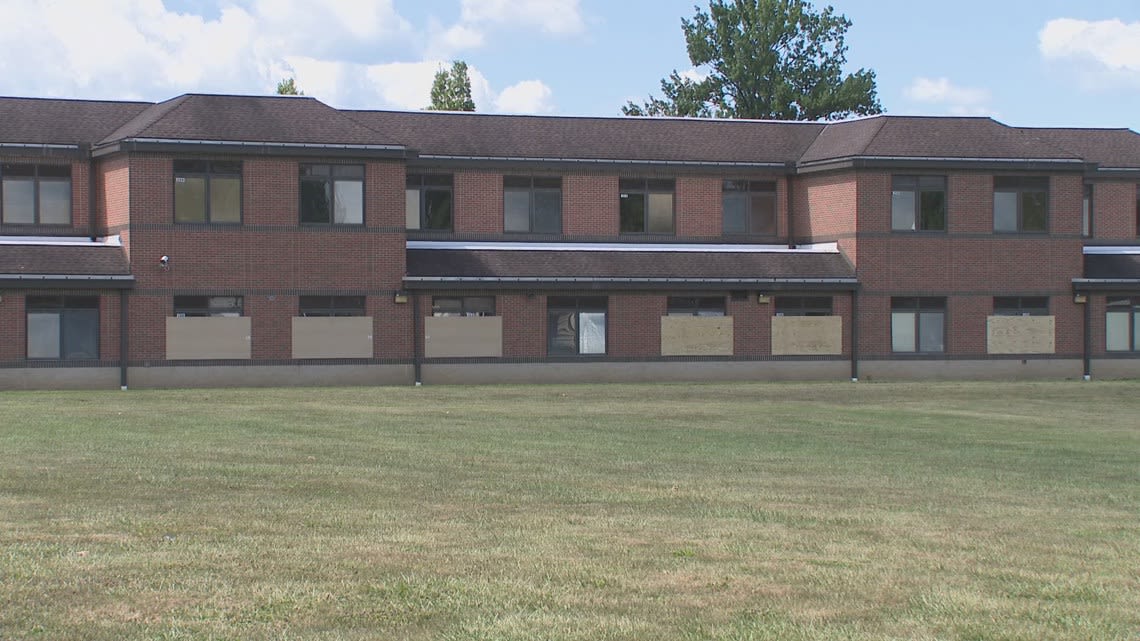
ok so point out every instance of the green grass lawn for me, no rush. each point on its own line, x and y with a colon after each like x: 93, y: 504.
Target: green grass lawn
x: 745, y: 511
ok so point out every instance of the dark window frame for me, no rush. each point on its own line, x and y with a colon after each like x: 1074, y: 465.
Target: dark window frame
x: 1022, y: 186
x: 645, y: 187
x: 917, y: 305
x: 1088, y: 202
x: 423, y: 184
x: 466, y: 306
x: 321, y: 306
x: 211, y: 172
x: 37, y: 178
x: 1132, y: 303
x: 575, y: 305
x: 804, y: 306
x: 914, y: 184
x: 64, y: 306
x: 696, y: 306
x: 535, y: 186
x: 748, y: 191
x: 1021, y: 306
x: 330, y: 179
x: 199, y: 306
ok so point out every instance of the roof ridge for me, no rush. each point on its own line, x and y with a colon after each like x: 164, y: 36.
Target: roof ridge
x: 871, y: 140
x: 148, y: 117
x: 85, y: 100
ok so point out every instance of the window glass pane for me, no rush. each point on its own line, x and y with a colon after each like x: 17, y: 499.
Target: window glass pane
x: 516, y: 210
x: 517, y: 182
x: 735, y: 213
x: 55, y: 202
x: 226, y: 167
x: 315, y: 170
x: 933, y: 211
x: 660, y: 184
x: 632, y: 212
x: 1115, y: 331
x: 548, y: 211
x: 479, y: 305
x: 548, y: 183
x: 904, y: 183
x: 593, y: 332
x: 316, y: 205
x: 1005, y: 211
x: 19, y: 202
x: 43, y: 335
x: 192, y: 166
x: 1086, y: 212
x: 764, y: 214
x: 225, y: 200
x: 1033, y: 211
x: 932, y: 183
x: 562, y: 332
x: 902, y: 331
x: 437, y: 212
x: 412, y: 208
x: 348, y: 171
x: 631, y: 184
x: 81, y: 334
x: 441, y: 306
x: 930, y: 331
x: 55, y: 171
x: 349, y: 199
x: 1135, y: 331
x: 902, y: 210
x: 437, y: 180
x: 661, y: 213
x: 189, y: 199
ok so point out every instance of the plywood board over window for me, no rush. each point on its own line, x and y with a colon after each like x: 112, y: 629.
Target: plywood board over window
x: 696, y: 336
x: 207, y: 338
x: 807, y: 335
x: 1020, y: 335
x: 332, y: 337
x: 463, y: 336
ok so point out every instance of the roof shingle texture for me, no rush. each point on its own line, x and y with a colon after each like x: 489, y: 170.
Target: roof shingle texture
x: 62, y: 122
x: 63, y: 260
x: 603, y: 264
x: 1110, y: 148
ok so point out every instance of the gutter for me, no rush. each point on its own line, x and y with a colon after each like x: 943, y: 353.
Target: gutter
x: 250, y: 147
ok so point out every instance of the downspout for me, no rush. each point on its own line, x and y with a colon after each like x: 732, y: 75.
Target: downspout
x: 1088, y: 338
x: 416, y: 364
x: 123, y: 334
x: 790, y: 201
x: 854, y: 335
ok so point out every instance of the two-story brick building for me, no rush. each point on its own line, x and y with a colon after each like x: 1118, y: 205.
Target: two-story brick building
x: 235, y: 240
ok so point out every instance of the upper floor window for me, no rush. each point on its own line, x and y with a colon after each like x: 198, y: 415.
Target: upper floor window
x: 35, y: 194
x: 918, y: 324
x: 207, y: 191
x: 428, y: 202
x: 331, y: 306
x: 463, y: 306
x: 332, y: 194
x: 532, y: 204
x: 225, y: 306
x: 646, y: 206
x: 1021, y: 204
x: 576, y: 325
x: 918, y: 203
x: 1122, y: 324
x: 695, y: 306
x: 63, y: 327
x: 1021, y: 305
x: 1087, y: 211
x: 803, y: 306
x: 749, y: 207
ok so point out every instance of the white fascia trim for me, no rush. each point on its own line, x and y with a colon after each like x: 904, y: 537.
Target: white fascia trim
x: 816, y: 248
x: 1113, y: 250
x: 62, y: 241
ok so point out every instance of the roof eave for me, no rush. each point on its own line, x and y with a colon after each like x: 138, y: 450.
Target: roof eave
x: 322, y: 150
x: 67, y: 281
x: 553, y: 163
x: 903, y: 162
x: 601, y: 283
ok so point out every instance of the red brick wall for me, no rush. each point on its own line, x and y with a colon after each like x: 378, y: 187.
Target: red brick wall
x: 589, y: 205
x: 13, y: 341
x: 825, y: 210
x: 633, y: 325
x: 478, y: 202
x: 698, y: 206
x: 524, y: 325
x: 1114, y: 211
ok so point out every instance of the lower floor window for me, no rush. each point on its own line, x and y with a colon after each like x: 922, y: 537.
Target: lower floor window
x: 463, y: 306
x: 695, y: 306
x: 1122, y: 324
x: 803, y: 306
x: 63, y: 327
x: 575, y: 325
x: 331, y: 306
x: 207, y: 306
x: 918, y: 324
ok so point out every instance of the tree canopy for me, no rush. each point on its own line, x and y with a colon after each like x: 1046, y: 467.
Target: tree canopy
x: 771, y: 59
x: 287, y: 87
x: 451, y: 89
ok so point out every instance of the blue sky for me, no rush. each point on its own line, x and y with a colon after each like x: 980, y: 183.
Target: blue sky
x: 1025, y: 62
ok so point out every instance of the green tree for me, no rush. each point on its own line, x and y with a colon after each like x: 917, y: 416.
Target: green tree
x: 773, y: 59
x: 287, y: 87
x: 451, y: 89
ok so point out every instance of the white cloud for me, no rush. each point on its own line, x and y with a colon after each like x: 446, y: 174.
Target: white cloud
x: 559, y: 17
x: 528, y: 96
x: 694, y: 74
x: 948, y: 97
x: 1112, y: 45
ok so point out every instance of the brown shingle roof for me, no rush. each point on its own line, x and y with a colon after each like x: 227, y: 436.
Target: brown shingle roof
x: 1110, y: 148
x: 62, y: 122
x: 595, y: 265
x: 651, y: 139
x: 23, y: 260
x: 274, y: 119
